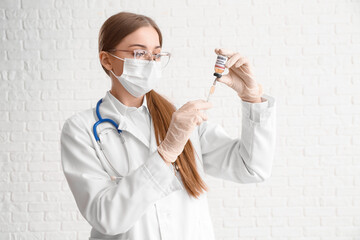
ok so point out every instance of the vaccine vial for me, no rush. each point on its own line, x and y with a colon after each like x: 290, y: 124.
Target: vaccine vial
x: 220, y: 65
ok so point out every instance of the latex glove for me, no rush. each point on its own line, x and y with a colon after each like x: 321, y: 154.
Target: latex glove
x: 240, y: 77
x: 183, y: 122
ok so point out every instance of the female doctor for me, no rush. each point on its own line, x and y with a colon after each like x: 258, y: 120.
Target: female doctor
x: 135, y: 163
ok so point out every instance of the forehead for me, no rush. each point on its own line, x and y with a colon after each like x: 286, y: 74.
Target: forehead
x: 143, y: 37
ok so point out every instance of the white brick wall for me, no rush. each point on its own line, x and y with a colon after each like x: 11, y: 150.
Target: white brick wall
x: 305, y: 53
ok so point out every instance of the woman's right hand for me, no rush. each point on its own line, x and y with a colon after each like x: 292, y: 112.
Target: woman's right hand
x: 183, y: 122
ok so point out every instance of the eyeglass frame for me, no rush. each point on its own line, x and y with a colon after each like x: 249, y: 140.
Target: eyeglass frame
x: 147, y: 53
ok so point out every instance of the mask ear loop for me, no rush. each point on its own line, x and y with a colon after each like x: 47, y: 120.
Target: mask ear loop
x: 114, y: 74
x: 117, y: 58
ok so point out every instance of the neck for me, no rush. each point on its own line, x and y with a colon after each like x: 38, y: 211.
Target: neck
x: 120, y: 93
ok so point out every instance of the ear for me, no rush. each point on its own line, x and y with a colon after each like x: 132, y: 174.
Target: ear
x: 105, y: 60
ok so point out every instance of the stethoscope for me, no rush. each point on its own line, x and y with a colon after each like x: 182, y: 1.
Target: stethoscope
x: 102, y: 120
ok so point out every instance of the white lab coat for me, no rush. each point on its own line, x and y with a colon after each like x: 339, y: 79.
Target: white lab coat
x: 150, y: 202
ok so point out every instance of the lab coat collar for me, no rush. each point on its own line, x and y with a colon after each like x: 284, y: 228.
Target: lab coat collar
x: 108, y: 110
x: 125, y: 110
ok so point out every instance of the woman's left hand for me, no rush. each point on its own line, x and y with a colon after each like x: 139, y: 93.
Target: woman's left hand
x: 240, y: 77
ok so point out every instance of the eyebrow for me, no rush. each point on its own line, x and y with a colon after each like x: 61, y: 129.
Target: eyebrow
x: 140, y: 45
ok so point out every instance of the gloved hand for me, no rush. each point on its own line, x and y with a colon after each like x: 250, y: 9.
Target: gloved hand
x: 183, y: 122
x: 240, y: 77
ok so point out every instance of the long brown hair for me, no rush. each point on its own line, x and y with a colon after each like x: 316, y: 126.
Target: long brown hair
x: 111, y: 33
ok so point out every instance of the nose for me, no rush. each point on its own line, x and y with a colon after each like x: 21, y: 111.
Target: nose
x: 150, y: 56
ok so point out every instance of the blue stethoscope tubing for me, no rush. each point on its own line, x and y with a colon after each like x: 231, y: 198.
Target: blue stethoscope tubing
x: 102, y: 120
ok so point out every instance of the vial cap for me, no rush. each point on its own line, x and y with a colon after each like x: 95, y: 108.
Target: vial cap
x: 218, y: 75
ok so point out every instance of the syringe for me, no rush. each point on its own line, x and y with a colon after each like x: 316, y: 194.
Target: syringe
x: 212, y: 90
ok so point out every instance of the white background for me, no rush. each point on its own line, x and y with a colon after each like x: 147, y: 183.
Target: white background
x: 306, y: 54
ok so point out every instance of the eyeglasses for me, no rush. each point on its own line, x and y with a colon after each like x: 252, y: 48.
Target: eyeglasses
x: 142, y: 54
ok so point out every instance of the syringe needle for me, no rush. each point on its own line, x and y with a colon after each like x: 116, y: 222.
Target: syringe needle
x: 212, y: 90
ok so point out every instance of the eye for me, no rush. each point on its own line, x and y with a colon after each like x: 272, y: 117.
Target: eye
x: 140, y: 53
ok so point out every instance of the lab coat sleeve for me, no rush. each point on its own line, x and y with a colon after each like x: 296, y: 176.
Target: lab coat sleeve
x: 247, y: 159
x: 111, y: 208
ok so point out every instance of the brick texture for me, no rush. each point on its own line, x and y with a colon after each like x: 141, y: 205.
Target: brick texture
x: 305, y: 53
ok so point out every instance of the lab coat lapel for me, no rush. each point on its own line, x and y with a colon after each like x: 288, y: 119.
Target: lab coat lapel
x: 153, y: 144
x: 129, y: 127
x: 108, y: 110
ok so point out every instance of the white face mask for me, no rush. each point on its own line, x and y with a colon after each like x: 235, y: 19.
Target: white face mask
x: 139, y: 76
